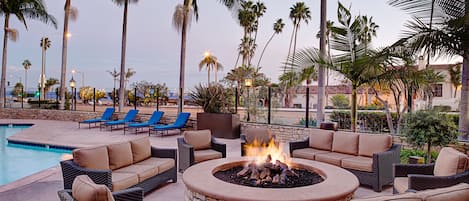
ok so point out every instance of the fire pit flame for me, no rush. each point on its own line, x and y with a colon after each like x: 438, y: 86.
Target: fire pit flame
x: 271, y: 151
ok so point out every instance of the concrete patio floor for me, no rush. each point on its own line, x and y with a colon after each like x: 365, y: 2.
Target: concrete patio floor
x: 43, y: 186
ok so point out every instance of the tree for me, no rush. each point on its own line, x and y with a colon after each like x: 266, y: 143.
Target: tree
x: 340, y: 101
x: 210, y: 62
x: 145, y: 88
x: 45, y: 44
x: 27, y: 65
x: 115, y: 76
x: 431, y: 78
x: 278, y: 28
x: 22, y: 9
x: 182, y: 16
x: 322, y: 50
x: 128, y: 74
x: 69, y: 13
x: 86, y: 94
x: 455, y: 77
x: 355, y: 61
x: 447, y: 34
x: 298, y: 12
x: 429, y: 128
x: 17, y: 90
x: 50, y: 83
x: 288, y: 80
x: 124, y: 3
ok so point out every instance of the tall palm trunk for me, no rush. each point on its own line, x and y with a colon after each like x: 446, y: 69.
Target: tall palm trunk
x: 123, y: 50
x: 183, y: 60
x: 353, y: 114
x: 4, y: 61
x: 25, y: 88
x: 216, y: 73
x: 294, y: 45
x: 208, y: 74
x: 263, y: 50
x: 464, y: 103
x: 64, y: 56
x: 289, y: 47
x: 43, y: 69
x: 322, y: 51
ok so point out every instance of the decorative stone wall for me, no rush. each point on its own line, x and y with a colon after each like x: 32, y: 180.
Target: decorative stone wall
x: 193, y: 196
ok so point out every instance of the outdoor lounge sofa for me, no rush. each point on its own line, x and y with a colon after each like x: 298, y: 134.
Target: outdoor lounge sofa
x: 198, y: 146
x: 154, y: 119
x: 129, y: 118
x: 451, y: 167
x: 123, y: 165
x: 370, y: 157
x: 459, y: 192
x: 106, y: 116
x: 259, y: 136
x: 180, y: 123
x: 84, y: 188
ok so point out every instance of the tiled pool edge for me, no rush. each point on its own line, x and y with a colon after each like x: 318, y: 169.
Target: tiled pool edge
x: 42, y: 145
x: 29, y: 179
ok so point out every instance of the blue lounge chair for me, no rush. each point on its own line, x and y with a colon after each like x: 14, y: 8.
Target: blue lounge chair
x: 129, y: 118
x: 154, y: 119
x: 180, y: 123
x: 107, y: 115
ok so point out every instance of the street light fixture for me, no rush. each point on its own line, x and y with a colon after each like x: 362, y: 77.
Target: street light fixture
x: 82, y: 76
x: 248, y: 84
x: 72, y: 85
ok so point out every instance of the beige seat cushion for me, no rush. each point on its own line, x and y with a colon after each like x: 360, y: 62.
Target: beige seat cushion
x: 84, y: 189
x: 143, y: 171
x: 307, y: 153
x: 321, y: 139
x: 458, y: 192
x: 358, y: 163
x: 95, y: 158
x: 120, y: 155
x: 450, y: 162
x: 200, y: 139
x: 141, y: 149
x: 332, y: 158
x: 345, y: 142
x: 207, y: 154
x: 400, y: 197
x: 261, y: 135
x: 401, y: 184
x: 163, y: 164
x: 368, y: 144
x: 123, y: 180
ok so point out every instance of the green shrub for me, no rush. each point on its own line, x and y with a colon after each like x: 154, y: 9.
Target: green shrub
x: 372, y: 121
x: 340, y: 101
x: 213, y: 98
x: 430, y: 128
x: 312, y: 122
x: 406, y: 153
x: 442, y: 108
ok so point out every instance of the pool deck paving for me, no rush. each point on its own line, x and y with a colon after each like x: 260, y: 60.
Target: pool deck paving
x: 43, y: 186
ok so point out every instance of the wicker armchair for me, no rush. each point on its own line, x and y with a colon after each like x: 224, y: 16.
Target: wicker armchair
x: 130, y: 194
x: 261, y: 135
x: 417, y: 177
x: 198, y: 146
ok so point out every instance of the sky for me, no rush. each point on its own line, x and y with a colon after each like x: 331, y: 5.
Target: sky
x: 153, y: 45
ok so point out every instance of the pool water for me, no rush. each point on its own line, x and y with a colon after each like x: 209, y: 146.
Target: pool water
x: 17, y: 161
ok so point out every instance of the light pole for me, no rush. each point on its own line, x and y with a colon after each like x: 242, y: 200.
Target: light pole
x: 82, y: 76
x: 248, y: 84
x: 72, y: 85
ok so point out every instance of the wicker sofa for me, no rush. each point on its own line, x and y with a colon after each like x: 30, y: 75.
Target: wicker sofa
x: 369, y: 157
x: 123, y: 165
x: 458, y: 192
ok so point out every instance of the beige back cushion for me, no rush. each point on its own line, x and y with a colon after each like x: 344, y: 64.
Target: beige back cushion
x: 84, y: 189
x: 141, y: 149
x: 458, y: 192
x: 368, y: 144
x: 95, y: 158
x: 450, y: 162
x: 321, y: 139
x: 345, y: 142
x: 261, y: 135
x: 120, y: 155
x: 200, y: 139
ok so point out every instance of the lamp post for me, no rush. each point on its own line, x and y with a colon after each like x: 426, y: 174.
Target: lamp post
x: 248, y: 84
x: 82, y: 76
x: 72, y: 85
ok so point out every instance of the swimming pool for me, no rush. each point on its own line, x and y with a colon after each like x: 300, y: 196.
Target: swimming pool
x: 17, y: 161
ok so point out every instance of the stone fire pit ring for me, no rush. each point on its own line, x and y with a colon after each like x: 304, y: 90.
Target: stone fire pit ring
x: 338, y: 184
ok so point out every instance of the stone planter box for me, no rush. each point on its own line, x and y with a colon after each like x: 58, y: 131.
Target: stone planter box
x: 221, y: 125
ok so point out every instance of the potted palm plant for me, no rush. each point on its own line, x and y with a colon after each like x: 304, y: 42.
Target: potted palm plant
x: 218, y: 116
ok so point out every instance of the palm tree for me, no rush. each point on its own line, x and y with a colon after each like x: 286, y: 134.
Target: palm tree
x: 124, y: 3
x: 49, y: 83
x: 431, y: 79
x: 455, y: 77
x: 128, y: 74
x: 246, y: 18
x: 45, y: 44
x: 322, y: 49
x: 115, y: 75
x: 181, y: 18
x: 210, y: 62
x: 298, y: 12
x: 278, y: 28
x: 22, y: 9
x: 288, y: 80
x: 27, y: 65
x: 355, y: 63
x: 449, y: 35
x: 69, y: 12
